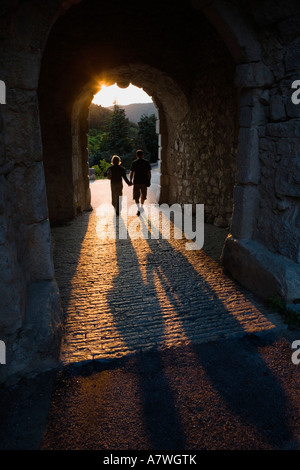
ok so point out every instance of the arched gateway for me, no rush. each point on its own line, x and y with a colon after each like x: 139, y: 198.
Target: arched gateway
x: 221, y: 77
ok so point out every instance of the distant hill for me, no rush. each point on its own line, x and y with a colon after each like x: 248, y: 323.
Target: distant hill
x: 98, y: 116
x: 136, y: 110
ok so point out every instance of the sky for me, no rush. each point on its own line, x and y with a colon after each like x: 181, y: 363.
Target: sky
x: 107, y: 95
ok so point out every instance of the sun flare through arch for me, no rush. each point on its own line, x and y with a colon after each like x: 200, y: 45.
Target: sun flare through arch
x: 108, y: 95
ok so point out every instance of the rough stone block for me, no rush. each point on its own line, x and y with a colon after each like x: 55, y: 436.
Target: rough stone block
x: 12, y: 290
x: 277, y: 108
x: 278, y: 70
x: 21, y: 126
x: 21, y: 69
x: 287, y: 179
x: 37, y: 258
x: 288, y: 147
x: 29, y: 187
x: 261, y: 271
x: 273, y: 11
x: 292, y: 58
x: 3, y: 229
x: 292, y: 110
x: 265, y: 98
x: 37, y: 348
x: 3, y: 194
x: 267, y: 145
x: 245, y: 206
x: 248, y: 157
x: 253, y: 75
x: 245, y: 116
x: 252, y: 116
x: 284, y: 129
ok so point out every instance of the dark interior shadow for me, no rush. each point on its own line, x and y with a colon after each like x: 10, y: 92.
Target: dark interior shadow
x: 160, y: 416
x: 29, y: 401
x: 249, y: 388
x: 24, y: 411
x: 234, y: 367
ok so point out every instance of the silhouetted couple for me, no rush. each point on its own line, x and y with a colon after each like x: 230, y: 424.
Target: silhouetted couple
x: 140, y: 178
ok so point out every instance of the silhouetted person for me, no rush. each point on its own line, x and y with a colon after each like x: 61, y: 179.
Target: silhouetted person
x: 116, y: 173
x: 140, y: 173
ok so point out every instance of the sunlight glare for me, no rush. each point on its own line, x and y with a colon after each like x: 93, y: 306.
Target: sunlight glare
x: 108, y: 95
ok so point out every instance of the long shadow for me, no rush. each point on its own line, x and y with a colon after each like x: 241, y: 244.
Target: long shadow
x: 67, y: 244
x: 160, y: 416
x: 25, y: 405
x: 234, y: 367
x: 29, y: 401
x: 34, y: 394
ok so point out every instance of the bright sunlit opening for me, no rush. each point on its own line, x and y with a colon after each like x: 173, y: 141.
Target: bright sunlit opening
x: 108, y: 95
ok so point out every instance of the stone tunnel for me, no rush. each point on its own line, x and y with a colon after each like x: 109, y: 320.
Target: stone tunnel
x: 220, y: 74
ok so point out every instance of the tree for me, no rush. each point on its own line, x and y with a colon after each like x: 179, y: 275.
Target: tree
x: 97, y: 143
x: 118, y: 139
x: 101, y: 169
x: 147, y: 138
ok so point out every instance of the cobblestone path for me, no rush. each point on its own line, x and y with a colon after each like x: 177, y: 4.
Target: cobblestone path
x: 121, y: 296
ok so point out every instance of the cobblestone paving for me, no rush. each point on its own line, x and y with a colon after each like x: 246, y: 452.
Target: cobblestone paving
x: 121, y: 296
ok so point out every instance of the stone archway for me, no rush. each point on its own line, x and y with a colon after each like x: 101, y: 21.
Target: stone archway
x: 198, y: 108
x: 263, y: 56
x: 74, y: 175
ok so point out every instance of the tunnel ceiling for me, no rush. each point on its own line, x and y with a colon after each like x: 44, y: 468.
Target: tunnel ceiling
x: 93, y: 36
x: 173, y: 37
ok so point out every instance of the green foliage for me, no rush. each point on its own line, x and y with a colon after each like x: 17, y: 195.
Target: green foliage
x: 111, y: 133
x: 118, y: 140
x: 291, y: 317
x: 147, y: 138
x: 276, y: 304
x: 97, y: 144
x: 101, y: 169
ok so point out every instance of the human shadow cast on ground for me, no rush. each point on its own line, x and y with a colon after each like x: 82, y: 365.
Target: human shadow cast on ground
x: 28, y: 401
x: 67, y: 241
x: 160, y: 415
x: 235, y: 367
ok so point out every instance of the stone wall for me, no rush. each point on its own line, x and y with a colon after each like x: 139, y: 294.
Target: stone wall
x: 199, y: 142
x: 202, y: 158
x: 262, y: 251
x: 279, y: 154
x: 64, y: 129
x: 30, y: 322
